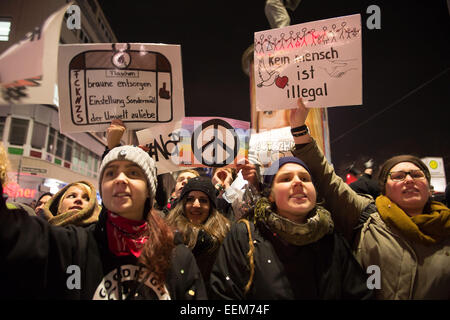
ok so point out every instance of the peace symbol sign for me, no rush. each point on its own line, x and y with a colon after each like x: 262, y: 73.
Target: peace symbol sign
x: 222, y: 144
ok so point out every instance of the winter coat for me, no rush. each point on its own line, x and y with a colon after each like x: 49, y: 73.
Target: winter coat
x: 408, y: 270
x: 40, y: 261
x: 324, y: 269
x: 365, y: 184
x: 83, y: 217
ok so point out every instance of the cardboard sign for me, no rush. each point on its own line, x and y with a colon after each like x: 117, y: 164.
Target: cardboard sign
x: 162, y: 143
x: 437, y: 171
x: 319, y: 61
x: 213, y: 142
x: 28, y: 68
x: 141, y: 84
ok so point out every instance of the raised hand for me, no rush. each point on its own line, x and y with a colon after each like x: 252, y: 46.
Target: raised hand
x: 114, y: 133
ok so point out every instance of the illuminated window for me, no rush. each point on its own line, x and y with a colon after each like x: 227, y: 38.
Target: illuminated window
x: 5, y: 28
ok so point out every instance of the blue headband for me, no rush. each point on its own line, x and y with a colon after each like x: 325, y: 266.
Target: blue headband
x: 270, y: 172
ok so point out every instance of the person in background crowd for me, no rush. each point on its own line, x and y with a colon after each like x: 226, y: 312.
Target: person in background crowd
x: 130, y: 253
x: 222, y: 178
x: 42, y: 200
x: 182, y: 179
x: 286, y: 247
x: 75, y: 204
x: 365, y: 184
x: 403, y: 232
x: 250, y: 172
x: 201, y: 224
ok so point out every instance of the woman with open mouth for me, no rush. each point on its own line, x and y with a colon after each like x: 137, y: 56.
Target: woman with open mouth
x: 286, y: 246
x: 129, y: 253
x: 403, y: 236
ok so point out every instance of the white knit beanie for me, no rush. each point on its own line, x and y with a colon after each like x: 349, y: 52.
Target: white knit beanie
x: 137, y: 156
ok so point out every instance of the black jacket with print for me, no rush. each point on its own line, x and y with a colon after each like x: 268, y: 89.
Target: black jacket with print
x: 40, y: 261
x: 325, y: 269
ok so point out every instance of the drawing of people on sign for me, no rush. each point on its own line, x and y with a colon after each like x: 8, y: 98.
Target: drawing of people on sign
x: 319, y: 61
x: 140, y: 84
x: 213, y: 142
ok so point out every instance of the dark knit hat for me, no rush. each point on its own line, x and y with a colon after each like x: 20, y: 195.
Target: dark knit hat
x: 270, y: 172
x: 390, y: 163
x: 202, y: 184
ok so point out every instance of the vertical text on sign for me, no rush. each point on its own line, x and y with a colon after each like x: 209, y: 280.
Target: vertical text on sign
x: 77, y: 93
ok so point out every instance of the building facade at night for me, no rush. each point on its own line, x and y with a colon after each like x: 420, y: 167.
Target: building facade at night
x: 42, y: 159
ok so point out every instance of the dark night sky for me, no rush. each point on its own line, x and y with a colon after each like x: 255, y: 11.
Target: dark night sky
x: 406, y: 67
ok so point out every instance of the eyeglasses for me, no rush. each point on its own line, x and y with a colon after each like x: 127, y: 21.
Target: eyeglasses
x: 401, y: 175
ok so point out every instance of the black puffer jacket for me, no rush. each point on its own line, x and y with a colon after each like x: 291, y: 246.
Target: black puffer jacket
x: 324, y: 269
x: 40, y: 261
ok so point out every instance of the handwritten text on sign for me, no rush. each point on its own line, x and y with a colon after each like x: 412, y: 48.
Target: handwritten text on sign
x: 318, y: 61
x: 137, y: 85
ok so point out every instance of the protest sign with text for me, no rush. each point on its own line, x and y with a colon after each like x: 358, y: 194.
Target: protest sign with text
x: 28, y: 68
x: 141, y: 84
x: 161, y: 142
x: 319, y: 61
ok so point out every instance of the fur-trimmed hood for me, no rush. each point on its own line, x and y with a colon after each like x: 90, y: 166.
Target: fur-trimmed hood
x: 79, y: 218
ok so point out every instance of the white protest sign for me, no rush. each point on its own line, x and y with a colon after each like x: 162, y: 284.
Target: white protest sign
x: 162, y: 143
x: 319, y: 61
x: 269, y: 145
x: 437, y: 171
x: 28, y: 68
x: 139, y: 83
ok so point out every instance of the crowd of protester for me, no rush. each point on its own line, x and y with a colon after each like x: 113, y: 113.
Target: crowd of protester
x: 303, y: 234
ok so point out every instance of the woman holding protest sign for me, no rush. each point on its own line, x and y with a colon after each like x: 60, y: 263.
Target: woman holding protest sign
x: 403, y: 235
x: 130, y: 253
x: 286, y: 246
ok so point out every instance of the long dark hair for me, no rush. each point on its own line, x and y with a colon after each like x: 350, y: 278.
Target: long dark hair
x: 216, y: 225
x: 156, y: 255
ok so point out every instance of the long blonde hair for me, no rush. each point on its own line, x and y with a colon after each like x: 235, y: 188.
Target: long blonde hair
x: 5, y: 165
x: 216, y: 225
x: 80, y: 185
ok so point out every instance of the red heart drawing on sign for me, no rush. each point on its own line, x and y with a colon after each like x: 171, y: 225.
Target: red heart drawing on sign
x: 281, y: 82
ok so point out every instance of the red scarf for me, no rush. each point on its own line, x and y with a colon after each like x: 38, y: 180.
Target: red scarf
x: 125, y: 236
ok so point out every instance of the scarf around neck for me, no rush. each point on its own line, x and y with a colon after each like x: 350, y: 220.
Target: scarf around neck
x: 125, y: 236
x: 428, y: 228
x: 315, y: 228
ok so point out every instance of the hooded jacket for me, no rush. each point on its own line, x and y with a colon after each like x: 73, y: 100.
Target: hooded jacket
x: 41, y: 261
x: 83, y: 217
x: 409, y: 270
x: 322, y: 267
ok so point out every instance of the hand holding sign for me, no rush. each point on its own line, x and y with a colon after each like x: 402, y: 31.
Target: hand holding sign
x: 114, y: 133
x: 319, y: 61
